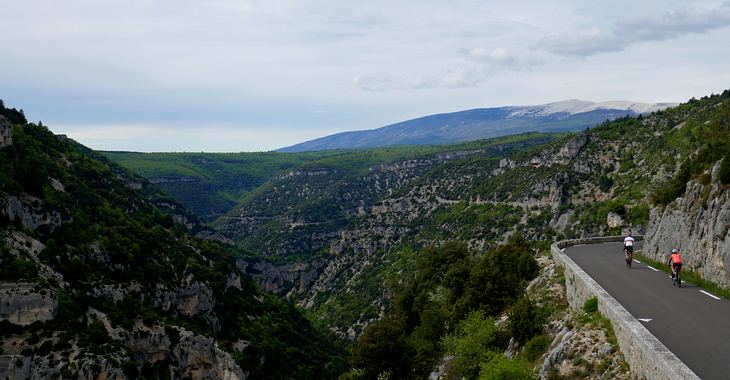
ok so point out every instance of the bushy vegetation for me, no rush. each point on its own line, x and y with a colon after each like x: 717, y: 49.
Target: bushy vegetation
x: 708, y: 132
x: 210, y: 184
x: 112, y: 235
x: 463, y: 221
x: 447, y: 306
x: 13, y: 115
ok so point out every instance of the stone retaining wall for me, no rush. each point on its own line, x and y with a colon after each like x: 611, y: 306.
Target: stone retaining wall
x: 646, y: 355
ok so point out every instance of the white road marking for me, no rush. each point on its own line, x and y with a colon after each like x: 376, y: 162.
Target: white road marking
x: 562, y: 250
x: 637, y: 261
x: 644, y: 319
x: 654, y: 269
x: 711, y: 295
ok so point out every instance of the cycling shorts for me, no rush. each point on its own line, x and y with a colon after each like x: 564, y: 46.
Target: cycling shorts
x: 677, y: 266
x: 629, y: 248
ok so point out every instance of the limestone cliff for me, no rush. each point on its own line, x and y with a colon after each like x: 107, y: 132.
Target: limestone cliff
x: 6, y: 133
x: 698, y: 224
x: 23, y: 303
x: 102, y: 279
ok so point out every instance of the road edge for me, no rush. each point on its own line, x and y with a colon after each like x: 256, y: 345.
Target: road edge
x: 646, y: 355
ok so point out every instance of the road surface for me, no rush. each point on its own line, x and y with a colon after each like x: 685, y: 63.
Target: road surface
x: 694, y: 325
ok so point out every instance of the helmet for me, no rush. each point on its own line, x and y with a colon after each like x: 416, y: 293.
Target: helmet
x: 674, y: 250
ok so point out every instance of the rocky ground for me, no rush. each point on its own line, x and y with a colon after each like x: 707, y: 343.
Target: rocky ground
x: 583, y: 345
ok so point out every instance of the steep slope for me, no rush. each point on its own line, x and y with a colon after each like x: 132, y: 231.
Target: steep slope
x: 335, y: 233
x: 210, y: 184
x: 303, y: 212
x: 475, y: 124
x: 99, y: 282
x: 598, y: 182
x: 692, y: 212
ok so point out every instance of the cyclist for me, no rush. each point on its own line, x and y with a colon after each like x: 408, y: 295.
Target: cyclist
x: 675, y: 262
x: 629, y: 248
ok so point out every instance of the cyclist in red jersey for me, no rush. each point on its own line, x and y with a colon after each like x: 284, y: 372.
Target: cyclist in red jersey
x: 675, y: 262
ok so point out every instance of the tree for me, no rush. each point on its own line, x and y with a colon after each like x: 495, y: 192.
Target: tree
x: 525, y: 320
x: 383, y: 348
x: 472, y: 344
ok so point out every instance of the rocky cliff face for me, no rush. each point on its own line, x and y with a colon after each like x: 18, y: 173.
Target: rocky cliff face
x: 29, y: 211
x: 97, y: 281
x: 698, y: 224
x: 23, y: 303
x: 6, y: 133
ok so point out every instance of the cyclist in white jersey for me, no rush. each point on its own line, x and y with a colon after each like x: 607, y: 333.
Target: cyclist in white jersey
x: 629, y: 243
x: 629, y: 248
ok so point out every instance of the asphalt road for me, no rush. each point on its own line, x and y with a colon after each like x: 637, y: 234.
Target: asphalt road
x: 692, y: 324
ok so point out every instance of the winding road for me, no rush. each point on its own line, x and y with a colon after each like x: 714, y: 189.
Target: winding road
x: 693, y: 324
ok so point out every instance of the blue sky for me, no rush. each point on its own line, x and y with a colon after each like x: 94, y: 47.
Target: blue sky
x: 192, y: 75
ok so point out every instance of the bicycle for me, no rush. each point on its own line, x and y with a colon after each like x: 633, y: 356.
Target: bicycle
x: 676, y: 278
x: 629, y: 258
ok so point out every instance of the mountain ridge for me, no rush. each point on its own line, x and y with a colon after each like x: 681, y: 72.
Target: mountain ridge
x: 481, y: 123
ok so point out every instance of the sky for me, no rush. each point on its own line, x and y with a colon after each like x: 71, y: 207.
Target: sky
x: 241, y: 75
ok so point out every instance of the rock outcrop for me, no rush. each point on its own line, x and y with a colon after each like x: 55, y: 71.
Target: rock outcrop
x: 191, y: 300
x: 197, y: 356
x: 29, y: 211
x: 6, y: 133
x: 23, y: 303
x: 698, y: 224
x: 285, y: 279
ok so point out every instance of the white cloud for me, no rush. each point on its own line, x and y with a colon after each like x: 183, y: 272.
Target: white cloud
x: 502, y: 58
x: 629, y: 31
x: 463, y: 75
x: 149, y: 73
x: 674, y: 24
x: 475, y: 66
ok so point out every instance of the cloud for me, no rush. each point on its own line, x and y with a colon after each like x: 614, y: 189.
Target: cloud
x: 476, y: 66
x: 581, y: 43
x: 452, y: 77
x: 502, y: 58
x: 674, y: 24
x: 624, y: 33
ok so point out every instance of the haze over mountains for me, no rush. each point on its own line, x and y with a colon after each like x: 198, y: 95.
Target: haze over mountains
x: 480, y: 123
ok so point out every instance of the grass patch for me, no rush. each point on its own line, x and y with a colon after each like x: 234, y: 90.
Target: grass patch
x: 536, y: 347
x: 591, y: 305
x: 687, y: 276
x: 592, y: 316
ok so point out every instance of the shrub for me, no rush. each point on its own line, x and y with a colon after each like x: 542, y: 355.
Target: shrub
x: 605, y: 183
x: 535, y: 347
x: 526, y: 320
x: 591, y: 305
x: 501, y: 368
x: 473, y: 343
x: 675, y: 188
x: 723, y: 175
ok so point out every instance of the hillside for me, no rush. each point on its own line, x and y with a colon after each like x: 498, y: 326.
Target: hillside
x: 331, y: 232
x: 98, y: 281
x: 481, y: 123
x: 342, y: 235
x: 210, y: 184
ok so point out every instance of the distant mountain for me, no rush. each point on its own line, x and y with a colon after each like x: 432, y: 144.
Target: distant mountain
x: 480, y: 123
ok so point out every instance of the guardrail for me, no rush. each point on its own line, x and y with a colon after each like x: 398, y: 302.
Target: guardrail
x: 648, y: 357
